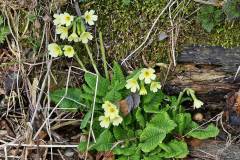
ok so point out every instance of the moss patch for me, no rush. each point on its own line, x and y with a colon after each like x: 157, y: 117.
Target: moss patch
x: 125, y: 27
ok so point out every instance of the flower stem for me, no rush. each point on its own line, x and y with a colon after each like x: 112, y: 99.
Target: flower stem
x: 80, y: 62
x: 103, y: 55
x: 91, y: 58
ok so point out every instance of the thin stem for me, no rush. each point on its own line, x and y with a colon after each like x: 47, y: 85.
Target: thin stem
x: 80, y: 62
x: 103, y: 55
x: 91, y: 58
x: 180, y: 98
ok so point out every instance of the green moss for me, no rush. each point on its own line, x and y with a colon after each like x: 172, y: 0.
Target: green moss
x: 125, y: 27
x: 225, y: 35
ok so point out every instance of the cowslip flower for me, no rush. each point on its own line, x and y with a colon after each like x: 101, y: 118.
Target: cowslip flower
x: 63, y: 31
x: 90, y: 17
x: 107, y: 104
x: 155, y: 86
x: 67, y: 19
x: 147, y: 75
x: 197, y: 103
x: 132, y: 84
x: 104, y: 121
x: 111, y: 111
x: 143, y: 90
x: 68, y: 51
x: 117, y: 120
x: 58, y: 20
x: 54, y: 50
x: 73, y: 37
x: 85, y: 36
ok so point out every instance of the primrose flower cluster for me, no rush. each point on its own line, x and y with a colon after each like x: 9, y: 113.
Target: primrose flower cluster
x: 146, y: 76
x: 111, y: 115
x: 72, y: 29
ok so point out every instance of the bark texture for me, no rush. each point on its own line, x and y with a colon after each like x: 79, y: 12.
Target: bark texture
x: 209, y: 71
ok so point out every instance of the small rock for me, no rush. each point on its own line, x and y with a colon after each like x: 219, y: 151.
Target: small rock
x: 162, y: 36
x: 69, y: 152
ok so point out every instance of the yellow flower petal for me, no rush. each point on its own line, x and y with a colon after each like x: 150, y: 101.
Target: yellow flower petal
x: 68, y: 51
x: 67, y: 19
x: 197, y: 103
x: 104, y: 121
x: 90, y: 17
x: 54, y: 50
x: 117, y: 120
x: 85, y: 36
x: 132, y: 84
x: 147, y: 74
x: 63, y: 31
x: 155, y: 86
x: 73, y: 37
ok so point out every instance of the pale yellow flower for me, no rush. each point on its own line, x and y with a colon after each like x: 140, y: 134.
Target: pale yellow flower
x: 117, y: 120
x: 111, y: 111
x: 143, y: 90
x: 54, y: 50
x: 107, y: 104
x: 85, y: 36
x: 147, y: 75
x: 197, y: 103
x: 68, y: 51
x: 58, y: 20
x: 90, y: 17
x: 63, y: 31
x: 155, y: 86
x: 104, y: 121
x: 67, y: 19
x: 73, y: 37
x: 132, y: 84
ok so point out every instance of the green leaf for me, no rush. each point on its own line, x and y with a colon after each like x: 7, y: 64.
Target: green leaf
x: 175, y: 149
x: 209, y: 17
x: 231, y: 9
x: 126, y: 151
x: 156, y: 131
x: 151, y: 137
x: 183, y: 121
x: 119, y: 133
x: 71, y: 102
x: 208, y: 26
x: 87, y: 89
x: 104, y: 142
x: 4, y: 31
x: 210, y: 131
x: 102, y: 86
x: 90, y: 97
x: 163, y: 122
x: 118, y: 79
x: 113, y: 95
x: 82, y: 147
x: 127, y: 120
x: 152, y: 101
x: 153, y: 157
x: 140, y: 118
x: 1, y: 20
x: 85, y: 120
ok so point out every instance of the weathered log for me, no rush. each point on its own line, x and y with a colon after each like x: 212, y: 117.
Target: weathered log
x: 212, y: 150
x: 209, y: 71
